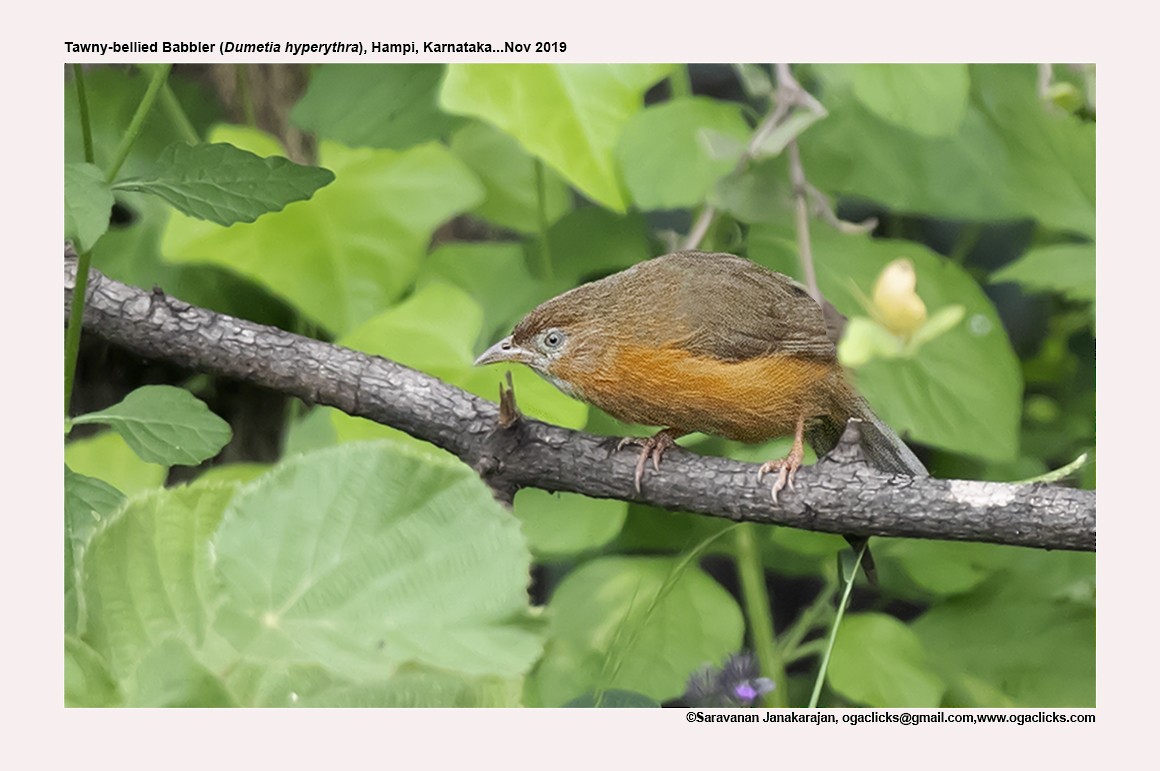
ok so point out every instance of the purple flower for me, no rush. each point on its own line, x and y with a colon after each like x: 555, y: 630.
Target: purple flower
x: 737, y: 684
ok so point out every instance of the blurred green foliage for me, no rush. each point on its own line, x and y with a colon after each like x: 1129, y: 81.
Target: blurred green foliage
x: 382, y: 573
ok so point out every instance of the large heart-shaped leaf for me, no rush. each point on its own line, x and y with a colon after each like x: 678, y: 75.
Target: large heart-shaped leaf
x: 374, y: 105
x: 366, y: 557
x: 878, y: 661
x: 571, y: 115
x: 508, y: 174
x: 609, y: 607
x: 363, y: 574
x: 1025, y: 637
x: 667, y: 161
x: 928, y: 99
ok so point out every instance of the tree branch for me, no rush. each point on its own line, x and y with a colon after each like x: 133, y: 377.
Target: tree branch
x: 840, y: 494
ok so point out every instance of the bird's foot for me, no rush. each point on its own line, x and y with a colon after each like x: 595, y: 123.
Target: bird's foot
x: 652, y: 446
x: 786, y: 469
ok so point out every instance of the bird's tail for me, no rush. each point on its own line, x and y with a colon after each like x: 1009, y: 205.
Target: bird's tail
x: 884, y: 450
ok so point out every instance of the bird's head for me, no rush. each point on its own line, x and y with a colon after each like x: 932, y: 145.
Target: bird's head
x: 560, y: 340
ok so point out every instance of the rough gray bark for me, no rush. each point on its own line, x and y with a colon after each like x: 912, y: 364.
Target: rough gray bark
x: 840, y: 494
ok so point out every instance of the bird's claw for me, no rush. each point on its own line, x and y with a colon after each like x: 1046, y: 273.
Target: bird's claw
x: 653, y: 446
x: 786, y: 469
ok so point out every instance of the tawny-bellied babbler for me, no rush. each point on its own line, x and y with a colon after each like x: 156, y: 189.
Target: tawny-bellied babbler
x: 694, y: 341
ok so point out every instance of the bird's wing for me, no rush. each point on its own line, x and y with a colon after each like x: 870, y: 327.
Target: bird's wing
x: 733, y: 309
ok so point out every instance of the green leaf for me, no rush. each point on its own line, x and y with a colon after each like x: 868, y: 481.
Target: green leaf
x: 509, y: 178
x: 324, y: 583
x: 1069, y: 269
x: 420, y: 688
x: 1024, y: 632
x: 171, y: 675
x: 570, y: 115
x: 495, y: 274
x: 755, y: 79
x: 758, y: 194
x: 166, y: 425
x: 879, y: 662
x: 938, y: 395
x: 87, y: 503
x: 366, y: 557
x: 421, y: 333
x: 590, y: 243
x: 107, y: 457
x: 615, y: 700
x: 928, y: 99
x: 938, y: 568
x: 355, y: 247
x: 87, y: 204
x: 559, y: 524
x: 148, y: 578
x: 787, y: 131
x: 1011, y: 157
x: 666, y: 163
x: 698, y: 622
x: 374, y: 105
x: 223, y: 184
x: 87, y: 682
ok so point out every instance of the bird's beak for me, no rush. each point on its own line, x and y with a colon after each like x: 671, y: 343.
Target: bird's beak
x: 504, y: 350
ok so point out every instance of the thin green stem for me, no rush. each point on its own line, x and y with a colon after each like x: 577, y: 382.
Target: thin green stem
x: 757, y: 608
x: 244, y: 95
x: 679, y: 81
x: 83, y: 107
x: 177, y: 115
x: 834, y: 629
x: 72, y: 335
x: 160, y: 73
x: 804, y: 651
x: 1057, y: 474
x: 548, y: 272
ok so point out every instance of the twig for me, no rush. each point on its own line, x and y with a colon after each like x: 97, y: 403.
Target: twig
x: 823, y: 209
x: 797, y: 177
x: 789, y: 95
x: 784, y: 101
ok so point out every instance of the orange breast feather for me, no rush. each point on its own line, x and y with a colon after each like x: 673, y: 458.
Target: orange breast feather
x: 751, y: 400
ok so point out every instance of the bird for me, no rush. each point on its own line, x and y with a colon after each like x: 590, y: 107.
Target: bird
x: 703, y: 342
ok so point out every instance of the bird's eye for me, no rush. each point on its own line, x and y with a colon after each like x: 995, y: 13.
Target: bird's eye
x: 553, y: 338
